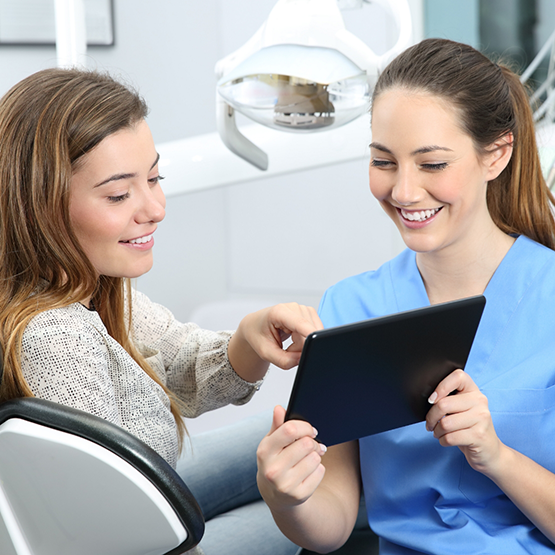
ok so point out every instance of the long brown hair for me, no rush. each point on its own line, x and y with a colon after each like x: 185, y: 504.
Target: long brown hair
x: 492, y: 102
x: 48, y: 123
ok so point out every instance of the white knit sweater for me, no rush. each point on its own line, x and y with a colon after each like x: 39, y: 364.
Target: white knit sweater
x: 68, y: 357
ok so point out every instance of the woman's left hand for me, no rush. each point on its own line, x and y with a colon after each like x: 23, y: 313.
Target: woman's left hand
x: 260, y: 336
x: 463, y: 420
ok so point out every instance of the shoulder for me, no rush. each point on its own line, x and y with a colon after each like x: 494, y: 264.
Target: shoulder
x: 67, y: 328
x: 64, y: 350
x: 525, y: 245
x: 532, y: 265
x: 72, y: 317
x: 531, y: 260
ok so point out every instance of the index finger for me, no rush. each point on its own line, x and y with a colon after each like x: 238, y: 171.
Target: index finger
x: 297, y: 318
x: 458, y: 380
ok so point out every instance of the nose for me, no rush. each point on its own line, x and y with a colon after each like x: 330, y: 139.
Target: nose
x: 152, y: 207
x: 406, y: 190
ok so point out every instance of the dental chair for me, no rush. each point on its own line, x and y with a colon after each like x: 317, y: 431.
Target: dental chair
x: 74, y: 484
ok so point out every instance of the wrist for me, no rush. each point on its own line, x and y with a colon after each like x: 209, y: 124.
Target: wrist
x: 499, y: 469
x: 243, y: 358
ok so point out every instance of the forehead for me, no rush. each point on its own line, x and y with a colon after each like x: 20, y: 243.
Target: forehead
x: 121, y: 148
x: 401, y: 114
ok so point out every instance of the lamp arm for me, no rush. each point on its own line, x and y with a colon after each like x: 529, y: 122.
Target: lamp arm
x: 359, y: 52
x: 400, y: 11
x: 234, y: 139
x: 71, y: 33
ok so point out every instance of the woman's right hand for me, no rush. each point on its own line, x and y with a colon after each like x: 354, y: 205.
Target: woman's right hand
x: 314, y: 501
x: 289, y: 463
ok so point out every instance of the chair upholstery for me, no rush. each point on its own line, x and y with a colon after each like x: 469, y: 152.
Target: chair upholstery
x: 73, y: 483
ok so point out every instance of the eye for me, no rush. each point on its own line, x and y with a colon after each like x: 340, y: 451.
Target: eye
x: 381, y: 163
x: 119, y: 198
x: 435, y: 167
x: 155, y: 180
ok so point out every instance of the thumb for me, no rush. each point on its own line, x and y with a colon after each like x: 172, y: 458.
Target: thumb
x: 278, y: 419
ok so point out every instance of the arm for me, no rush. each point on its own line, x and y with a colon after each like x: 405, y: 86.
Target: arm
x: 68, y: 357
x: 464, y: 420
x: 208, y: 369
x: 192, y: 362
x: 314, y: 497
x: 66, y: 361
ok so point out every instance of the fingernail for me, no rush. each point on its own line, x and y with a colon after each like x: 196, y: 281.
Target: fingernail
x: 432, y: 398
x: 323, y: 449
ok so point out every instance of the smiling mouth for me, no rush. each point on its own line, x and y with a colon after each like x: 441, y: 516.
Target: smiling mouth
x: 139, y: 240
x: 419, y: 215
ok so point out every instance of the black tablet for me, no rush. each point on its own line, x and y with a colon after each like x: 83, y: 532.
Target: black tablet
x: 376, y: 375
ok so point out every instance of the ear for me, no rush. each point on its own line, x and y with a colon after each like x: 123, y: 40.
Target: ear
x: 498, y: 155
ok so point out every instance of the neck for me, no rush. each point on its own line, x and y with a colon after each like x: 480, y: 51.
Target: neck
x: 86, y: 302
x: 458, y: 271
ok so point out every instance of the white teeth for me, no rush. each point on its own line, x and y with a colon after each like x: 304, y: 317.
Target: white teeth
x: 419, y: 216
x: 140, y: 240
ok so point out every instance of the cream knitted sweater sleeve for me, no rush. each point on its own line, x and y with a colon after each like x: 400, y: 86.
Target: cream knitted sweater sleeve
x: 69, y: 357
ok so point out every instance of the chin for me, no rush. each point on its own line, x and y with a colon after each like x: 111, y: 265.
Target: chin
x: 139, y: 270
x: 129, y: 274
x: 420, y: 245
x: 138, y: 273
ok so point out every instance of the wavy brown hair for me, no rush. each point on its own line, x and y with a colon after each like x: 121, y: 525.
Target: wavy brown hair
x: 48, y: 124
x: 491, y: 102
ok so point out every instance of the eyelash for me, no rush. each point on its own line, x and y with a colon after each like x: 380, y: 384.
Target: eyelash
x: 435, y: 167
x: 381, y: 163
x: 430, y: 167
x: 157, y: 179
x: 153, y: 181
x: 118, y: 198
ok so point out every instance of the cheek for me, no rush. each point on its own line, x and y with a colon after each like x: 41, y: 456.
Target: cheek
x: 378, y: 184
x: 453, y: 189
x: 79, y: 221
x: 92, y: 228
x: 83, y: 224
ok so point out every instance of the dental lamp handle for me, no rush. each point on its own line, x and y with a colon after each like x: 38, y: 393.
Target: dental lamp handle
x: 234, y: 139
x: 400, y: 11
x: 235, y: 58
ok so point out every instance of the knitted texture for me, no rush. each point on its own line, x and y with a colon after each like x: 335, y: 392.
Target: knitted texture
x: 68, y: 357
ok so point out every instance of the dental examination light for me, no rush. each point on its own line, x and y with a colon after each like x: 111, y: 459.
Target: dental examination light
x: 301, y: 72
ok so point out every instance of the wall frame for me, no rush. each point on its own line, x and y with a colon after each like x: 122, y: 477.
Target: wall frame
x: 33, y: 22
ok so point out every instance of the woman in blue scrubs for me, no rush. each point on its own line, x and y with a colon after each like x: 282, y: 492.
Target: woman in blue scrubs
x: 454, y: 163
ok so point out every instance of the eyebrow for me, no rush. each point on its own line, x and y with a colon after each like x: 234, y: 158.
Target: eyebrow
x: 421, y: 150
x: 120, y: 176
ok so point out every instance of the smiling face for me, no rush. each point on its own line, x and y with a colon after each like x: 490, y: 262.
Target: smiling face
x: 116, y: 202
x: 427, y: 174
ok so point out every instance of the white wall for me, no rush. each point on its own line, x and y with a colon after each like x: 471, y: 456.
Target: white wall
x: 275, y: 239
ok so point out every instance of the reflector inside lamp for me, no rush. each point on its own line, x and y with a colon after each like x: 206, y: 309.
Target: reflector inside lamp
x: 295, y: 87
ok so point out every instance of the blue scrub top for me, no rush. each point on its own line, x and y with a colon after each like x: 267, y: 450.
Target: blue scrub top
x: 424, y: 498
